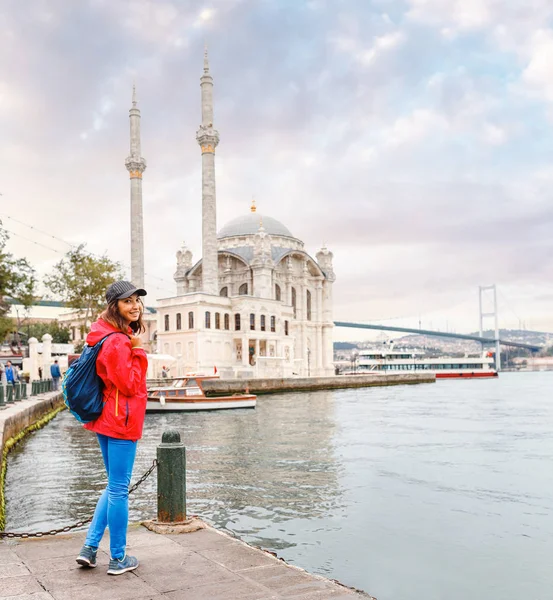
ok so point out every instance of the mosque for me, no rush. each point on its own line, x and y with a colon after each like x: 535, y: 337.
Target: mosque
x: 256, y: 304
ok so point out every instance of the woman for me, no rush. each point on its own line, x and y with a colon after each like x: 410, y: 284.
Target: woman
x: 121, y: 364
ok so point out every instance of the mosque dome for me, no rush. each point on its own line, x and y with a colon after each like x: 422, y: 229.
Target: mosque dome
x: 249, y: 224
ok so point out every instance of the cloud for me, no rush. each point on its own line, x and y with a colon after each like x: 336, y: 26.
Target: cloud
x: 414, y: 142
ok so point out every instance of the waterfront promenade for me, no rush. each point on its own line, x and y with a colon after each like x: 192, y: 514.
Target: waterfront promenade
x: 204, y: 565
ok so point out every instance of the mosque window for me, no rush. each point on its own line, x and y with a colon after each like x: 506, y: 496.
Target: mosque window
x: 294, y: 301
x: 243, y: 290
x: 273, y: 324
x: 277, y: 292
x: 179, y: 321
x: 237, y: 321
x: 190, y: 320
x: 217, y: 321
x: 308, y: 302
x: 262, y: 324
x: 224, y: 292
x: 166, y: 322
x: 227, y: 321
x: 252, y: 321
x: 207, y: 319
x: 286, y: 332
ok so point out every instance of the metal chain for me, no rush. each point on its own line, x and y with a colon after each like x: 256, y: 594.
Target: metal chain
x: 39, y: 534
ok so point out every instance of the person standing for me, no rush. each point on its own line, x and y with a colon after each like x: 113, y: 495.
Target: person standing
x: 56, y: 374
x: 122, y: 366
x: 11, y: 373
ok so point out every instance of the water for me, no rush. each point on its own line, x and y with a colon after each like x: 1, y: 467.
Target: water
x: 440, y: 491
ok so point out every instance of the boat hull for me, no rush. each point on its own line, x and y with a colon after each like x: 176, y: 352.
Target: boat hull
x: 471, y: 375
x: 191, y: 404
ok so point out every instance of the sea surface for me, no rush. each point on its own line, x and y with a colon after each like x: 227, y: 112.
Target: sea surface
x: 440, y: 491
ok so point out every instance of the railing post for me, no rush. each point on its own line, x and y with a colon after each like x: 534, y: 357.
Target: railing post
x: 24, y: 390
x: 17, y: 391
x: 33, y: 387
x: 171, y: 478
x: 2, y: 402
x: 9, y: 394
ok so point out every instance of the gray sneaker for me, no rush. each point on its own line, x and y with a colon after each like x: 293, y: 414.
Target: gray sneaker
x: 127, y: 563
x: 87, y: 556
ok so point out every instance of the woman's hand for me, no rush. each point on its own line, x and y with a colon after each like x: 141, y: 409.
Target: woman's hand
x: 136, y: 342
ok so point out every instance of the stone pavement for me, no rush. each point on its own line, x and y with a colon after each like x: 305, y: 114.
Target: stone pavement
x: 206, y: 565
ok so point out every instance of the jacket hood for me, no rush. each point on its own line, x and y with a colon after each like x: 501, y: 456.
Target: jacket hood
x: 99, y: 330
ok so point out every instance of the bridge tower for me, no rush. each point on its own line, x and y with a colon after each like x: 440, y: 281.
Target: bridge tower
x: 484, y: 292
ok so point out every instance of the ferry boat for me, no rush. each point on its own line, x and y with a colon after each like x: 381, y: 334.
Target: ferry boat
x: 187, y: 394
x: 400, y: 361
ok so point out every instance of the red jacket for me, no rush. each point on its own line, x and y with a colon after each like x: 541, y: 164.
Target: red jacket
x: 123, y: 371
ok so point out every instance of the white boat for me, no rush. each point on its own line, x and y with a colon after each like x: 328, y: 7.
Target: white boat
x: 187, y: 394
x: 388, y: 361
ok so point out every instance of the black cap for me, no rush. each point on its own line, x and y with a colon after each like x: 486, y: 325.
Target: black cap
x: 122, y: 289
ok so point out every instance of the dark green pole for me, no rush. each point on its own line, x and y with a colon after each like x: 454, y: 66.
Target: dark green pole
x: 171, y: 478
x: 9, y: 394
x: 24, y: 390
x: 2, y: 403
x: 17, y: 391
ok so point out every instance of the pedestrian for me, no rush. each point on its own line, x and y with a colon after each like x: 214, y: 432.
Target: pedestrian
x: 11, y: 373
x: 122, y: 366
x: 164, y: 372
x: 56, y: 374
x: 40, y: 373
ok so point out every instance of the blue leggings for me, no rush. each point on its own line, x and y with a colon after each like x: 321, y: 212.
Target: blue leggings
x: 112, y: 509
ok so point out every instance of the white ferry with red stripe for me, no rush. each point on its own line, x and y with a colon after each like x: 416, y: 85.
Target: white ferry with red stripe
x: 388, y: 361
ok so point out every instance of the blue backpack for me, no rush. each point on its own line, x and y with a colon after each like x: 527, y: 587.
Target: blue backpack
x: 82, y: 387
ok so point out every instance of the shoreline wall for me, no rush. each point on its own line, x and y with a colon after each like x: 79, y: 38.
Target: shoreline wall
x: 214, y: 387
x: 18, y: 420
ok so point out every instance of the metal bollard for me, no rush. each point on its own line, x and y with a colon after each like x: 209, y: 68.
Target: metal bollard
x: 2, y: 402
x: 171, y: 478
x: 50, y: 385
x: 9, y: 394
x: 33, y: 387
x: 24, y: 390
x: 17, y: 391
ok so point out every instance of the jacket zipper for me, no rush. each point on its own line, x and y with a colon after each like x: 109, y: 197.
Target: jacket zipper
x: 117, y: 403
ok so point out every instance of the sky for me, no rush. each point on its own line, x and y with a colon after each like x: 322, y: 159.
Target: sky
x: 414, y: 138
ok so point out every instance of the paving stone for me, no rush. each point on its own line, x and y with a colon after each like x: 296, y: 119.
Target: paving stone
x: 183, y: 573
x: 213, y: 591
x: 239, y: 557
x: 123, y: 587
x: 32, y: 596
x: 13, y: 586
x: 68, y: 545
x: 12, y: 569
x: 7, y: 553
x: 203, y: 539
x: 286, y: 581
x: 62, y: 563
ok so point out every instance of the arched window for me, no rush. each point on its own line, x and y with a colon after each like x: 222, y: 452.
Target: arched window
x: 179, y: 321
x: 252, y: 321
x: 243, y: 290
x: 190, y: 320
x: 237, y: 321
x: 277, y: 292
x: 207, y: 319
x: 308, y: 303
x: 273, y: 324
x: 166, y: 322
x: 217, y: 321
x: 224, y: 292
x: 227, y: 321
x: 294, y: 301
x: 262, y: 324
x: 286, y: 328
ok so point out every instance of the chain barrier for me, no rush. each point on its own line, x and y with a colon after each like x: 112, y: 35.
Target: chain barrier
x: 39, y: 534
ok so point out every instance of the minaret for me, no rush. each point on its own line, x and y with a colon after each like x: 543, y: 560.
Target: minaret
x: 208, y: 138
x: 135, y: 166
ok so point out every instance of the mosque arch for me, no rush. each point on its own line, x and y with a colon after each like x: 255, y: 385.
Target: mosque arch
x: 278, y: 292
x: 243, y: 290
